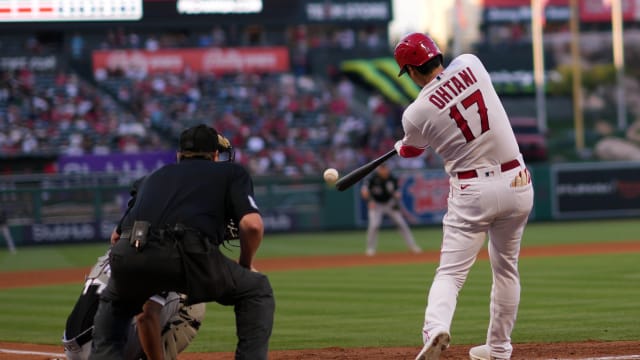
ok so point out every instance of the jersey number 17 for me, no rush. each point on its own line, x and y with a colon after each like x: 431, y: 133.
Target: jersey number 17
x: 463, y: 124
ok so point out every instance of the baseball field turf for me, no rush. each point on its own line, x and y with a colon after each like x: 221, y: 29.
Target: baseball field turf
x: 566, y: 295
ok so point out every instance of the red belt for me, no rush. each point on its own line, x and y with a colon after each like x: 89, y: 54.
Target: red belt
x: 470, y: 174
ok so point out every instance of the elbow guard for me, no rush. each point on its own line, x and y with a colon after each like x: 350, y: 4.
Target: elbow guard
x: 407, y: 151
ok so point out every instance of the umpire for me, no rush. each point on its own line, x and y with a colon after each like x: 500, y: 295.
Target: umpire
x: 170, y: 242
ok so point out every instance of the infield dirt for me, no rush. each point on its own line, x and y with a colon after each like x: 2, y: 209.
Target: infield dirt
x: 530, y: 351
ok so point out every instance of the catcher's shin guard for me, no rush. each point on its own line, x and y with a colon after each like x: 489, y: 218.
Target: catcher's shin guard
x: 78, y: 348
x: 181, y: 329
x: 79, y: 326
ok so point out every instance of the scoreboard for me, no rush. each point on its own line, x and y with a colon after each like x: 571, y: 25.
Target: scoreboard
x: 85, y: 14
x: 218, y: 6
x: 69, y: 10
x: 117, y: 10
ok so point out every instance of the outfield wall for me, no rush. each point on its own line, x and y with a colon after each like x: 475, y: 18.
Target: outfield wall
x: 85, y: 208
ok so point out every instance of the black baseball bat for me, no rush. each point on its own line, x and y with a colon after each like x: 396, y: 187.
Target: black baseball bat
x: 356, y: 175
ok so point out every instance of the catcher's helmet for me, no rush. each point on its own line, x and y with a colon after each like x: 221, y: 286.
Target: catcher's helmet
x: 415, y: 49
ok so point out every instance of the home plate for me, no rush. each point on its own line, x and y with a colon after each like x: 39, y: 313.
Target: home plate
x: 622, y: 357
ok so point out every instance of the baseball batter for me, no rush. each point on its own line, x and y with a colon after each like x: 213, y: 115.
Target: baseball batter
x: 459, y: 115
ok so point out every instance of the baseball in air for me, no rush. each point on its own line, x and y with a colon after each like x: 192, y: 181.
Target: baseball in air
x: 330, y: 175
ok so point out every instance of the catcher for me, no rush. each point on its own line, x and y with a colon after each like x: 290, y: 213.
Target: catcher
x: 180, y: 323
x: 167, y: 312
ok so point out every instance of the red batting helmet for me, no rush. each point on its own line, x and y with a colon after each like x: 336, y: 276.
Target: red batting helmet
x: 415, y: 49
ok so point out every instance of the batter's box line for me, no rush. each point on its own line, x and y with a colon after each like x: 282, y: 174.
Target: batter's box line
x: 26, y: 352
x: 623, y: 357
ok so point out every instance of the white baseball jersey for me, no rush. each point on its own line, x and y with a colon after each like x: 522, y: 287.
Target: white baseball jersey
x: 459, y: 115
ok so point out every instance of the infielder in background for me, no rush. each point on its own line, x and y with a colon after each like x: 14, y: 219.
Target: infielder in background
x: 381, y: 192
x: 6, y: 232
x: 459, y: 115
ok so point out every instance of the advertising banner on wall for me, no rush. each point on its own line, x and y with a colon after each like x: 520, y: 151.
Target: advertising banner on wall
x: 501, y: 11
x: 64, y: 232
x: 522, y: 14
x: 348, y: 11
x: 595, y: 190
x: 33, y: 63
x: 201, y: 60
x: 600, y: 11
x: 423, y: 197
x: 141, y: 163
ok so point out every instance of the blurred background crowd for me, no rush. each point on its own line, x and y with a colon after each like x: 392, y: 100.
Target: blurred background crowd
x: 299, y: 121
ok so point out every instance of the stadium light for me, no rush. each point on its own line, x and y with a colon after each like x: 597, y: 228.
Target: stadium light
x: 578, y: 116
x: 618, y: 59
x: 537, y: 22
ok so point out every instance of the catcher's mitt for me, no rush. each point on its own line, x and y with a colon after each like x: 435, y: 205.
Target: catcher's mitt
x: 182, y: 328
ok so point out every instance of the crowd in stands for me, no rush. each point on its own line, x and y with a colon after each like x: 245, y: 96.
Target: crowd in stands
x: 292, y: 124
x: 295, y: 36
x: 280, y: 124
x: 63, y: 114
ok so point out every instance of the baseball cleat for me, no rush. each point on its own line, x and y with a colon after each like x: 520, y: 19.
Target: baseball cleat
x: 435, y: 346
x: 482, y: 352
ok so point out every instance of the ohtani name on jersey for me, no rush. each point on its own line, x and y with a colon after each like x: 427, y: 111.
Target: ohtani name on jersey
x: 441, y: 96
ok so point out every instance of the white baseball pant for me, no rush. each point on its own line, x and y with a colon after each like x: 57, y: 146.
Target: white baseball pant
x: 491, y: 203
x: 376, y: 214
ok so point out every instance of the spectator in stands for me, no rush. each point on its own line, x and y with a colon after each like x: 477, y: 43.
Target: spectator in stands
x: 152, y: 43
x: 77, y: 45
x: 218, y: 36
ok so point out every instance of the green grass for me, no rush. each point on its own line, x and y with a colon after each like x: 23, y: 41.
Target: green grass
x: 570, y: 298
x: 36, y: 314
x: 563, y: 299
x: 337, y: 242
x: 384, y: 306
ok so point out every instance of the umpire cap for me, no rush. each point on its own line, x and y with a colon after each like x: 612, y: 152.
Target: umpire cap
x: 199, y: 139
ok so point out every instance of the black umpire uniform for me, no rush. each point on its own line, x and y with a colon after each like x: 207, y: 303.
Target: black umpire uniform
x: 170, y: 242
